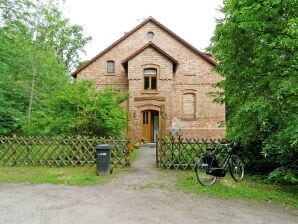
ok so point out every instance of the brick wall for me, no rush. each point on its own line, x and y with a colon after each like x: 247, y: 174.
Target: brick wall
x: 193, y: 76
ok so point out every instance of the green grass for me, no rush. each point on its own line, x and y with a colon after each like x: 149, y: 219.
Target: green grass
x: 134, y: 155
x: 65, y: 175
x: 248, y: 189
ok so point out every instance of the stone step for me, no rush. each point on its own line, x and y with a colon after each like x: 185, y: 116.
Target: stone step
x: 150, y: 145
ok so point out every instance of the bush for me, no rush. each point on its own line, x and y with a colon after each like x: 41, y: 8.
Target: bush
x: 80, y: 109
x: 284, y: 176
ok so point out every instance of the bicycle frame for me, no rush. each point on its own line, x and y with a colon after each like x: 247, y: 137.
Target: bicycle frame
x: 225, y: 162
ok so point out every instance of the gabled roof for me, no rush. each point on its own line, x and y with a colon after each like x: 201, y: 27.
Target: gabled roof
x: 155, y: 47
x: 150, y: 19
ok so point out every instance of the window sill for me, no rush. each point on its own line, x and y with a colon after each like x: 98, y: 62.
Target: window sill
x: 188, y: 119
x: 110, y: 74
x: 150, y: 92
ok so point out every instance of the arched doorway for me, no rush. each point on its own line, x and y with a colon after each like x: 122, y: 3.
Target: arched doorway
x: 150, y: 125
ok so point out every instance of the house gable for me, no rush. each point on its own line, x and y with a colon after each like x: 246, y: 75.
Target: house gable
x: 150, y: 45
x: 149, y: 58
x: 204, y: 56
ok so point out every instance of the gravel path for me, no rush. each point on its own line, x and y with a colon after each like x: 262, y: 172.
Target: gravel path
x: 143, y: 195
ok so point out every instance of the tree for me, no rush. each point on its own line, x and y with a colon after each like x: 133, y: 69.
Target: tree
x: 34, y: 39
x: 256, y: 45
x: 57, y: 34
x: 47, y: 25
x: 81, y: 109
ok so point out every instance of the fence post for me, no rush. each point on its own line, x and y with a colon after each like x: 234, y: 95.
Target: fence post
x: 128, y: 152
x: 163, y: 123
x: 130, y: 127
x: 14, y: 138
x: 179, y: 148
x: 156, y: 154
x: 162, y: 151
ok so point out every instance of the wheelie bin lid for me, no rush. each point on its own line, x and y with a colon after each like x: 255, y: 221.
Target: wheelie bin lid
x: 103, y: 146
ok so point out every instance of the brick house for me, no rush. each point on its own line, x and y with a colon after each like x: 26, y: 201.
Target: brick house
x: 167, y: 79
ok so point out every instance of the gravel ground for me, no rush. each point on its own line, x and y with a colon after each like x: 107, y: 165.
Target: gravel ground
x: 143, y: 195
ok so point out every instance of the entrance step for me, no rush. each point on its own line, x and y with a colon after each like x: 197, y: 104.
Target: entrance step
x: 150, y: 145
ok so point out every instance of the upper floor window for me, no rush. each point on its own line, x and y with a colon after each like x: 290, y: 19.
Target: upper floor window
x: 111, y: 67
x: 150, y: 77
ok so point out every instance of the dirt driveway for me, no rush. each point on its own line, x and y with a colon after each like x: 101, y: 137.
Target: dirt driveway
x: 143, y: 195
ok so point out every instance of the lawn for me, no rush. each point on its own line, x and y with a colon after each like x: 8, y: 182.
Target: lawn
x: 65, y: 175
x: 248, y: 189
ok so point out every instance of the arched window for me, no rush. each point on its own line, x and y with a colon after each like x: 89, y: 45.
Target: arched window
x: 188, y: 106
x: 150, y: 77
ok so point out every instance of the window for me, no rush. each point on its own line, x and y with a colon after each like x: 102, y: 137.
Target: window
x: 188, y: 109
x: 150, y: 75
x: 150, y: 35
x: 110, y: 66
x: 145, y: 117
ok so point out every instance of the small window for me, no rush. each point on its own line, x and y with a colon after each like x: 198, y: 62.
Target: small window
x: 150, y: 82
x: 111, y: 67
x: 150, y: 35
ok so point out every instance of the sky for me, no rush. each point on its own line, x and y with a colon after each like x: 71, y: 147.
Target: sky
x: 107, y: 20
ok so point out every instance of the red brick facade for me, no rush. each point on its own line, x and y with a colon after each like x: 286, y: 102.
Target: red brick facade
x: 184, y: 77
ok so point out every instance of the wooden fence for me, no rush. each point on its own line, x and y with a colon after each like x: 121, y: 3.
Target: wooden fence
x: 179, y: 153
x: 59, y: 151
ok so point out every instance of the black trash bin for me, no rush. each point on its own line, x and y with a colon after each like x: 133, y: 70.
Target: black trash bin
x: 103, y: 157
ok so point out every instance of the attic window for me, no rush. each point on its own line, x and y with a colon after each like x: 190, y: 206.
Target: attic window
x: 150, y: 35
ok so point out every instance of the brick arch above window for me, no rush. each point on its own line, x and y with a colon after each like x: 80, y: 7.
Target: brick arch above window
x: 146, y: 106
x: 150, y: 71
x: 155, y: 66
x: 188, y: 106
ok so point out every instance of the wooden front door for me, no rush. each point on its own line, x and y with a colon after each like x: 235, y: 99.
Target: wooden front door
x: 147, y: 126
x: 150, y: 125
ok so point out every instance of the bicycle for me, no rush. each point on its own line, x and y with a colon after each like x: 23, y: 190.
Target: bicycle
x: 208, y: 168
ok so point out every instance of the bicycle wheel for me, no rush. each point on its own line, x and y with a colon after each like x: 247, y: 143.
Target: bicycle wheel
x: 202, y: 177
x: 236, y: 168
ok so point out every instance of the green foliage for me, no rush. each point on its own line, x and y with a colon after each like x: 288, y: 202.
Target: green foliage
x: 47, y: 26
x: 81, y: 109
x: 58, y: 35
x: 256, y: 45
x: 22, y: 64
x: 37, y: 48
x: 65, y: 175
x: 248, y: 189
x: 134, y: 154
x: 282, y: 175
